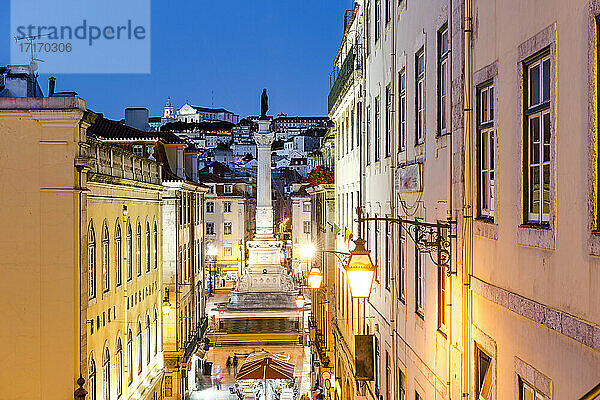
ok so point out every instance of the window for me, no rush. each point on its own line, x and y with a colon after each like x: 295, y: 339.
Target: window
x: 443, y: 84
x: 138, y: 249
x: 155, y: 233
x: 92, y: 379
x: 377, y: 361
x: 418, y: 396
x: 388, y: 377
x: 368, y: 29
x: 211, y: 189
x: 105, y: 259
x: 486, y: 147
x: 130, y: 357
x: 401, y: 265
x: 148, y: 339
x: 537, y: 139
x: 148, y: 247
x: 210, y: 207
x: 368, y: 137
x: 106, y: 374
x: 377, y: 130
x: 227, y: 207
x: 306, y: 226
x: 91, y: 263
x: 119, y: 368
x: 388, y: 11
x: 388, y: 272
x: 227, y: 250
x: 420, y: 97
x: 483, y: 375
x: 227, y: 228
x: 138, y: 150
x: 441, y: 303
x: 401, y: 385
x: 377, y: 19
x: 528, y: 392
x: 418, y: 282
x: 118, y: 257
x: 228, y: 189
x: 388, y: 121
x: 358, y: 123
x: 401, y: 110
x: 210, y: 228
x: 155, y: 332
x: 129, y: 252
x: 140, y: 348
x: 306, y: 206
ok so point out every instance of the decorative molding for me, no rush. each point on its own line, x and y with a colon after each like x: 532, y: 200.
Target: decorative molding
x: 556, y: 320
x: 532, y: 376
x: 593, y: 238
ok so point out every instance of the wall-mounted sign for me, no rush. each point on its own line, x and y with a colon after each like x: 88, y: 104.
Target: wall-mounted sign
x: 409, y: 179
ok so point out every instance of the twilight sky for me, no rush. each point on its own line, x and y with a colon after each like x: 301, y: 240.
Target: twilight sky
x: 221, y: 53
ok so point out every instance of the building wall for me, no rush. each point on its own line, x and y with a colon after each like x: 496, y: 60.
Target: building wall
x: 540, y: 282
x: 300, y: 238
x: 45, y: 340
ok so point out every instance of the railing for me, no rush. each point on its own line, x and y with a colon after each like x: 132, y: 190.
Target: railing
x: 343, y: 77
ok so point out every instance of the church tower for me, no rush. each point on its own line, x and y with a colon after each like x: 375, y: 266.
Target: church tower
x: 168, y: 113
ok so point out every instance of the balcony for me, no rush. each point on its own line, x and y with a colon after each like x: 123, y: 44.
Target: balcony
x: 344, y: 76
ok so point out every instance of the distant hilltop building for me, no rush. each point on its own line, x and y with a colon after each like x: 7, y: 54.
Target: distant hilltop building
x: 283, y: 123
x: 189, y: 113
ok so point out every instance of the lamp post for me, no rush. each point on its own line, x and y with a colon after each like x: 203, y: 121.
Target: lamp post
x: 300, y: 302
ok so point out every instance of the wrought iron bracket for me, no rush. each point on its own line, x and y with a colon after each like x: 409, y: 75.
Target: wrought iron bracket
x: 339, y: 255
x: 432, y: 238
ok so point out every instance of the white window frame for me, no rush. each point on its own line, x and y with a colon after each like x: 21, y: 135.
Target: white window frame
x: 377, y: 144
x: 486, y: 151
x: 210, y: 228
x: 420, y: 98
x: 419, y: 283
x: 444, y: 86
x: 402, y: 110
x: 227, y: 207
x: 228, y: 189
x: 227, y: 250
x: 306, y: 206
x: 539, y: 110
x: 138, y: 150
x: 91, y: 263
x: 210, y: 207
x: 227, y: 228
x: 305, y: 225
x: 526, y: 387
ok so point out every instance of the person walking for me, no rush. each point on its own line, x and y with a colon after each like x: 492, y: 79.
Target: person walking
x: 235, y: 364
x: 228, y: 365
x: 219, y: 377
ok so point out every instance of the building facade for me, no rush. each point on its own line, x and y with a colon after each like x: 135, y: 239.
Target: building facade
x: 301, y: 226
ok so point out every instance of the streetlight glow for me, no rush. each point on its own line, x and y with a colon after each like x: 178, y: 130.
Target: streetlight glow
x: 307, y: 251
x: 315, y: 277
x: 300, y: 301
x: 360, y: 271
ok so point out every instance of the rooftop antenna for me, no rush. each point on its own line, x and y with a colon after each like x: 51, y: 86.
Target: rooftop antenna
x: 212, y: 98
x: 33, y: 65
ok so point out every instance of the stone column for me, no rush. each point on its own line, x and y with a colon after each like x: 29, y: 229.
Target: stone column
x: 264, y: 208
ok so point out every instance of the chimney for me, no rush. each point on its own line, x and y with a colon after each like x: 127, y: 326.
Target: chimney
x: 51, y: 85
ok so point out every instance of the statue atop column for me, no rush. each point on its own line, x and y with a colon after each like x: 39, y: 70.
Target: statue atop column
x: 264, y: 104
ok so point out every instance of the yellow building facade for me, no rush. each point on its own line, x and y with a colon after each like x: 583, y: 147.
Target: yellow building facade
x: 76, y: 311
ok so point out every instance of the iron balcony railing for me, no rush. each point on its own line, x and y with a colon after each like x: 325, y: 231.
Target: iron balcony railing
x: 345, y: 73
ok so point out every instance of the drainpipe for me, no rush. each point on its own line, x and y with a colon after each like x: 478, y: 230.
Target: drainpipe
x: 449, y: 291
x: 467, y: 211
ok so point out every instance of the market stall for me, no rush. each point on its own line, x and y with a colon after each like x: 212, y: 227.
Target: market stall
x: 265, y: 375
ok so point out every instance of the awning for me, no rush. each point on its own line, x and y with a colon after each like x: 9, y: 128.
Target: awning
x: 264, y: 365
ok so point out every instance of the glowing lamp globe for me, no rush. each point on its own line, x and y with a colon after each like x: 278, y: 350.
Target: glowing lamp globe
x: 360, y: 271
x: 315, y: 278
x: 166, y: 308
x: 300, y: 300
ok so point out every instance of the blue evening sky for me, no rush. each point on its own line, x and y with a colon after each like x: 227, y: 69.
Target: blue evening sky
x: 221, y: 53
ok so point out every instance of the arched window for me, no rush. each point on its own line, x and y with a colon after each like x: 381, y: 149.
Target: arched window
x: 155, y: 245
x: 119, y: 368
x: 92, y: 379
x: 140, y: 352
x: 106, y: 374
x: 130, y: 356
x: 148, y: 247
x: 138, y: 250
x: 118, y: 257
x: 129, y: 252
x: 148, y: 341
x: 105, y: 259
x: 91, y: 262
x: 155, y: 332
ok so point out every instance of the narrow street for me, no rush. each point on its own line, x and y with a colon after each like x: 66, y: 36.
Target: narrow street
x: 299, y: 356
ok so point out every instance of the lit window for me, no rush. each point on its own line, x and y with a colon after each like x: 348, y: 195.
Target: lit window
x: 227, y: 250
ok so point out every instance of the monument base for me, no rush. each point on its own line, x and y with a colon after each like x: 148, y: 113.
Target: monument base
x: 262, y: 300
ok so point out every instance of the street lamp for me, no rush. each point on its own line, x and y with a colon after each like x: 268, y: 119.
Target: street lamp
x: 300, y: 301
x: 360, y: 270
x: 307, y: 251
x: 315, y: 277
x: 166, y: 307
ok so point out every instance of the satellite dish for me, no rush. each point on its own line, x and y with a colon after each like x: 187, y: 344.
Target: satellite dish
x: 33, y: 66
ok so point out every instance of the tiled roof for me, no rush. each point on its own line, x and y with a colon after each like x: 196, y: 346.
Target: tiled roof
x: 107, y: 129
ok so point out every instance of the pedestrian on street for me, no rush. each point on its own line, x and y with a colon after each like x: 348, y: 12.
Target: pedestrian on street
x: 305, y: 396
x: 228, y: 365
x: 235, y: 364
x: 219, y: 377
